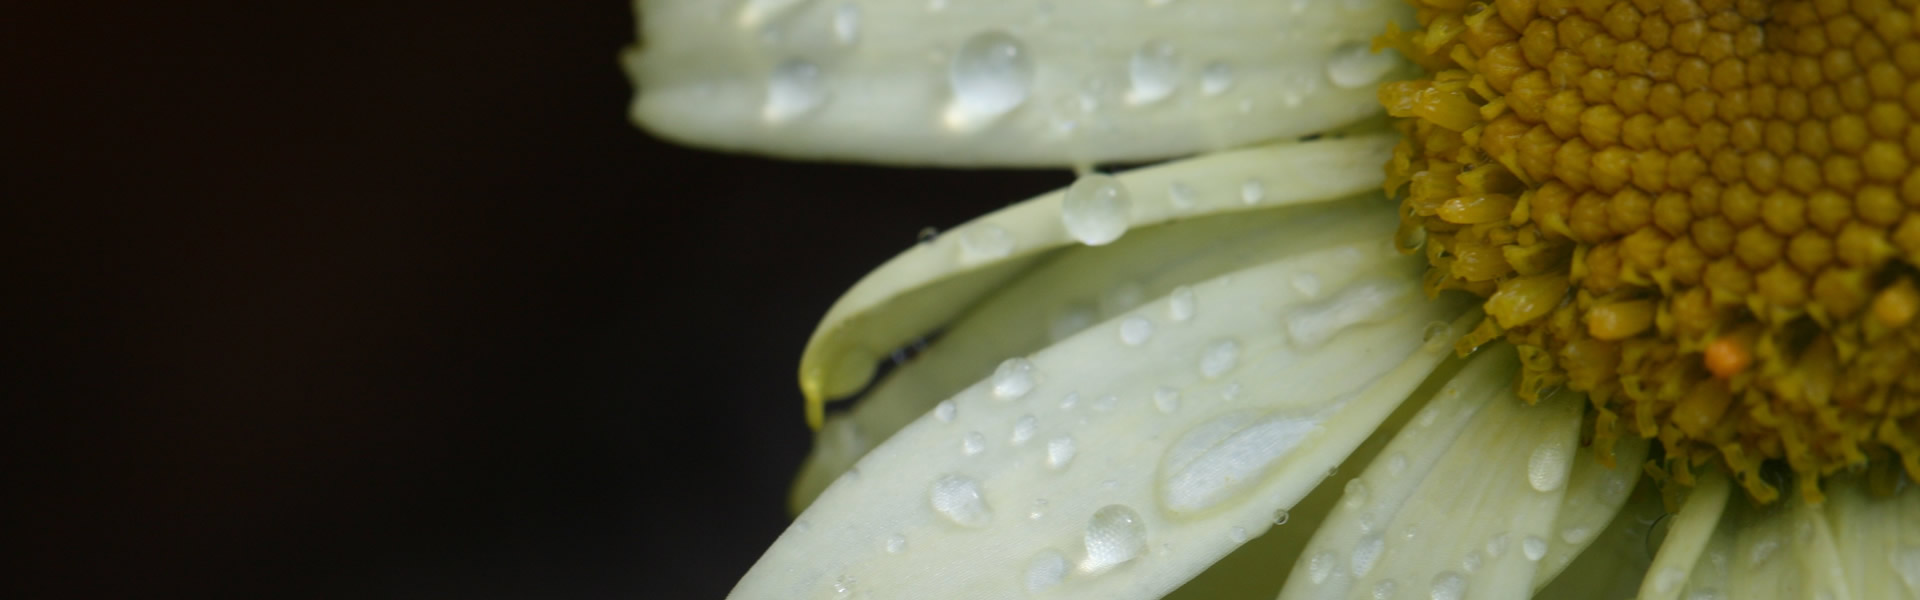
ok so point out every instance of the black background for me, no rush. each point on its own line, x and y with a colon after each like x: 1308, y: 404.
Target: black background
x: 386, y: 299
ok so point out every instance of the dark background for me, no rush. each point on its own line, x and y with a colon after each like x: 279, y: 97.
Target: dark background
x: 386, y: 299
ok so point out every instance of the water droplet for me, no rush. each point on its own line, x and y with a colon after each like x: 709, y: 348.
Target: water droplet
x: 1410, y: 533
x: 1384, y: 589
x: 984, y: 242
x: 1320, y: 566
x: 1106, y: 403
x: 1448, y: 585
x: 1396, y: 464
x: 1135, y: 331
x: 1355, y: 64
x: 1023, y: 429
x: 1548, y: 466
x: 1436, y: 336
x: 944, y: 411
x: 896, y: 544
x: 972, y: 443
x: 958, y: 498
x: 1181, y: 196
x: 1471, y: 563
x: 1166, y: 399
x: 1046, y: 570
x: 1013, y: 379
x: 927, y: 235
x: 991, y: 74
x: 1039, y: 509
x: 1497, y: 545
x: 1226, y: 456
x: 1115, y: 535
x: 1180, y: 304
x: 1059, y: 452
x: 1367, y: 552
x: 843, y: 585
x: 1237, y: 535
x: 1097, y: 209
x: 794, y: 89
x: 1069, y: 401
x: 1219, y: 357
x: 802, y: 526
x: 1307, y: 284
x: 1154, y: 70
x: 1215, y: 78
x: 1252, y: 191
x: 846, y: 23
x: 1356, y: 494
x: 1534, y: 547
x: 1360, y: 303
x: 1575, y: 535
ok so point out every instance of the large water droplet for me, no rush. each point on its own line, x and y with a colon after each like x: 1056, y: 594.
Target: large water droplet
x: 1180, y: 304
x: 1023, y: 429
x: 1367, y: 553
x: 1320, y: 566
x: 1355, y: 64
x: 1154, y: 71
x: 1097, y: 209
x: 1115, y: 535
x: 1216, y: 78
x: 1365, y: 302
x: 1059, y: 452
x: 985, y: 242
x: 958, y: 498
x: 1135, y: 331
x: 1449, y: 585
x: 1534, y: 547
x: 1219, y: 357
x: 794, y: 89
x: 1227, y: 456
x: 846, y: 23
x: 1046, y: 570
x: 1547, y: 468
x: 1013, y: 379
x: 1252, y: 191
x: 972, y: 443
x: 991, y: 74
x: 1166, y: 399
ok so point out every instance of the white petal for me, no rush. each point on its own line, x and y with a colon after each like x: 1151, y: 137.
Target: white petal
x: 1878, y: 538
x: 1613, y: 566
x: 1461, y: 503
x: 1053, y: 83
x: 933, y: 282
x: 1083, y: 286
x: 1595, y: 494
x: 1137, y: 497
x: 1782, y: 552
x: 1687, y: 538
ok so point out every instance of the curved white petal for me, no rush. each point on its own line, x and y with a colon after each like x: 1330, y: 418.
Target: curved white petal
x: 934, y: 282
x: 1878, y: 538
x: 1082, y: 286
x: 1595, y: 494
x: 1002, y: 82
x: 1786, y: 550
x: 1126, y: 492
x: 1692, y: 527
x: 1461, y: 503
x: 1614, y: 565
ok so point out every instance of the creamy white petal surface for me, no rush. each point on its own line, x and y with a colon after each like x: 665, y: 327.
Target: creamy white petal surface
x: 998, y: 82
x: 1878, y: 538
x: 1692, y: 527
x: 932, y: 283
x: 1119, y: 494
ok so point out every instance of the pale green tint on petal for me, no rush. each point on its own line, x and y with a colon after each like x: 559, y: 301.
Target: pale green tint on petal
x: 1004, y: 82
x: 1878, y: 538
x: 1783, y: 551
x: 1687, y: 538
x: 1612, y: 567
x: 1458, y: 505
x: 1595, y: 494
x: 1119, y: 495
x: 1081, y: 287
x: 934, y: 282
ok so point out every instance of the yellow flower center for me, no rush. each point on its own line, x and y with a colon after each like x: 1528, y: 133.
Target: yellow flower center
x: 1702, y: 213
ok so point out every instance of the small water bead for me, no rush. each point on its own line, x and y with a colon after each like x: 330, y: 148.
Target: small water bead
x: 802, y: 526
x: 1436, y: 336
x: 1448, y: 585
x: 944, y: 411
x: 1497, y: 545
x: 1215, y: 78
x: 1411, y: 533
x: 1154, y: 72
x: 1471, y: 563
x: 1534, y: 547
x: 1135, y: 331
x: 1356, y: 494
x: 1366, y: 553
x: 1219, y: 357
x: 1039, y: 509
x: 972, y: 443
x: 1166, y: 399
x: 846, y: 23
x: 991, y: 74
x: 927, y: 235
x: 1115, y: 534
x: 843, y: 585
x: 1237, y: 535
x: 958, y: 498
x: 1384, y: 589
x: 1013, y: 379
x: 1181, y: 304
x: 1355, y: 64
x: 1023, y: 429
x: 794, y: 89
x: 1426, y: 416
x: 1182, y: 196
x: 1252, y: 191
x: 985, y: 242
x: 1548, y: 467
x: 1069, y: 401
x: 1060, y: 452
x: 1097, y: 209
x: 896, y: 544
x: 1046, y: 570
x: 1320, y: 566
x: 1280, y: 516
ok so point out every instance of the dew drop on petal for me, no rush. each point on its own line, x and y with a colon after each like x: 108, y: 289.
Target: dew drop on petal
x: 1115, y: 534
x: 1046, y: 570
x: 1252, y: 191
x: 1219, y: 357
x: 1237, y: 535
x: 1023, y: 429
x: 972, y: 443
x: 1355, y: 494
x: 1216, y: 78
x: 794, y: 89
x: 1135, y: 331
x: 1367, y: 552
x: 1181, y: 304
x: 1181, y: 196
x: 1166, y: 399
x: 1226, y: 456
x: 1355, y: 64
x: 1154, y: 71
x: 984, y: 242
x: 1471, y: 563
x: 1039, y: 509
x: 1060, y: 452
x: 1497, y: 545
x: 1280, y: 516
x: 1320, y: 566
x: 1547, y: 468
x: 958, y: 498
x: 896, y: 544
x: 945, y: 411
x: 1448, y: 585
x: 992, y: 73
x: 1534, y: 547
x: 1097, y: 209
x: 1384, y: 589
x: 1013, y: 379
